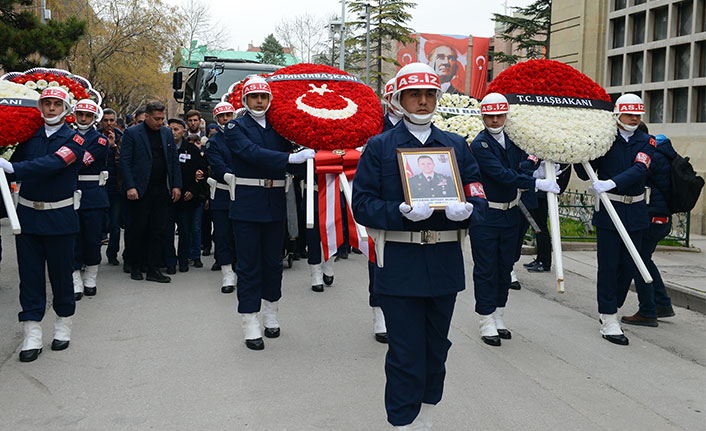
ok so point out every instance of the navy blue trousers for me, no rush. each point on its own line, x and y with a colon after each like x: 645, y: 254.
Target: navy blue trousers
x: 170, y: 254
x: 373, y: 298
x: 418, y: 344
x: 494, y: 250
x: 87, y: 249
x: 616, y: 269
x: 654, y: 295
x: 34, y: 253
x: 185, y: 222
x: 522, y: 230
x: 259, y: 265
x: 223, y: 236
x: 116, y: 220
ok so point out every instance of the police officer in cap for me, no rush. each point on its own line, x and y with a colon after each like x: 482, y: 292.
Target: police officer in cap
x: 418, y: 251
x: 48, y: 165
x: 220, y: 160
x: 494, y: 242
x: 259, y: 161
x: 622, y: 175
x: 94, y: 198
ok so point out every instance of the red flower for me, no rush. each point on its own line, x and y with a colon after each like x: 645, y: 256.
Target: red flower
x: 25, y: 123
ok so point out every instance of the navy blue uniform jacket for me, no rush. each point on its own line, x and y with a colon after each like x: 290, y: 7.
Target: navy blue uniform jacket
x: 136, y: 159
x: 220, y: 160
x: 412, y: 269
x: 658, y: 177
x: 48, y: 169
x: 504, y: 171
x: 626, y: 163
x: 111, y: 164
x: 96, y: 146
x: 262, y: 153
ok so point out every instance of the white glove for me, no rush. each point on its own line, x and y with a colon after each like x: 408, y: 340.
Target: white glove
x: 418, y: 213
x: 6, y: 166
x: 458, y: 211
x: 601, y: 186
x: 547, y: 185
x: 540, y: 172
x: 302, y: 156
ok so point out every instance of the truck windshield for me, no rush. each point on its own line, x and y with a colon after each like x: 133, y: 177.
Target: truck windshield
x: 224, y: 81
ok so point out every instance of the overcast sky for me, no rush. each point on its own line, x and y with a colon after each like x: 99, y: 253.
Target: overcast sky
x: 253, y: 20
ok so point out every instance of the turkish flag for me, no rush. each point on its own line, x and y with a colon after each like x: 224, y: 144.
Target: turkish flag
x: 406, y: 53
x: 479, y: 71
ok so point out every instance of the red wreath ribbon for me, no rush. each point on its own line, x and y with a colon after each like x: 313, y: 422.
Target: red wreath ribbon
x: 329, y: 165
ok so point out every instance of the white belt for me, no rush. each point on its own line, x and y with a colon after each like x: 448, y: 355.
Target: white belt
x: 422, y: 237
x: 42, y: 206
x: 102, y: 178
x: 504, y: 206
x: 626, y: 199
x: 259, y: 182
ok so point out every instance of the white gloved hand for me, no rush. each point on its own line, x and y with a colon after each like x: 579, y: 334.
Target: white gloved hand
x: 418, y: 213
x: 540, y: 172
x: 302, y: 156
x: 547, y: 185
x: 601, y: 186
x: 6, y: 166
x: 458, y: 211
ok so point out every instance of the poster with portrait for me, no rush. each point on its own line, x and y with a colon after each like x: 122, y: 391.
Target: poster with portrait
x: 430, y: 176
x: 448, y: 56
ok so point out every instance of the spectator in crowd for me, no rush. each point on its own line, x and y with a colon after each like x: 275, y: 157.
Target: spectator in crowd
x: 178, y: 127
x: 193, y: 122
x: 115, y: 135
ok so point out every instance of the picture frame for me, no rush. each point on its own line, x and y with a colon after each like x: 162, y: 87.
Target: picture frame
x: 430, y: 175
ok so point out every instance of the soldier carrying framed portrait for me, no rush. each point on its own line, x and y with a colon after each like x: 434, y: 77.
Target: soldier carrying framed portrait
x: 430, y: 176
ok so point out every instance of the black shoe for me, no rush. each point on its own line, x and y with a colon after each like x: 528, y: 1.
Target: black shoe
x: 215, y: 267
x: 155, y: 275
x: 539, y: 267
x: 317, y: 288
x: 356, y: 251
x: 198, y: 263
x: 171, y: 270
x: 328, y: 280
x: 227, y: 289
x: 89, y: 291
x: 78, y: 296
x: 504, y: 334
x: 640, y: 320
x: 256, y: 344
x: 381, y: 337
x: 296, y: 256
x: 491, y: 341
x: 183, y: 268
x: 126, y: 268
x: 617, y: 339
x: 271, y: 332
x: 113, y: 261
x: 59, y: 344
x: 206, y: 252
x: 665, y: 312
x: 515, y: 285
x: 136, y: 274
x: 29, y: 355
x: 527, y: 265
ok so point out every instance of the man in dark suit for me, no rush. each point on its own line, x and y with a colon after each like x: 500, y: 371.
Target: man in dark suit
x: 150, y: 177
x: 430, y: 184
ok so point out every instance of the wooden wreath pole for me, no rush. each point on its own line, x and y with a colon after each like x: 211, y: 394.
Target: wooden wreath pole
x: 608, y: 205
x: 310, y: 194
x: 348, y: 194
x: 555, y: 227
x: 9, y: 204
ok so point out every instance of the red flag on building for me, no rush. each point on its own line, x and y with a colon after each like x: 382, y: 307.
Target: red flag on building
x: 479, y: 68
x: 407, y: 53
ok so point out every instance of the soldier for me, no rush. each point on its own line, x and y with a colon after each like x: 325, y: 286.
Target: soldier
x: 494, y: 242
x: 418, y: 251
x: 259, y: 161
x: 92, y: 178
x: 48, y: 165
x: 622, y: 171
x: 392, y: 117
x: 429, y: 183
x: 220, y: 160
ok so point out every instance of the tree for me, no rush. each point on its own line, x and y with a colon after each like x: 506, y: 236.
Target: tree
x: 271, y: 52
x: 388, y: 20
x: 197, y: 24
x: 24, y: 38
x: 305, y: 33
x: 528, y: 29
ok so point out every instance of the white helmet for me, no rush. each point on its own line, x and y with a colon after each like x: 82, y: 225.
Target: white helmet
x: 222, y: 108
x: 413, y: 76
x: 628, y: 104
x: 494, y: 104
x: 55, y: 93
x: 88, y: 105
x: 387, y: 96
x: 256, y: 84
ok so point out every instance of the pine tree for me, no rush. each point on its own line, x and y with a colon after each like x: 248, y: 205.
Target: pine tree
x: 24, y: 38
x: 388, y: 20
x: 271, y: 52
x: 528, y: 30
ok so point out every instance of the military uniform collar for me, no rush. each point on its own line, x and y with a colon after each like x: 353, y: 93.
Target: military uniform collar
x: 403, y: 135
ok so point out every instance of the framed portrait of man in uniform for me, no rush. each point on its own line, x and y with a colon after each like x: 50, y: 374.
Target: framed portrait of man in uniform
x: 430, y: 175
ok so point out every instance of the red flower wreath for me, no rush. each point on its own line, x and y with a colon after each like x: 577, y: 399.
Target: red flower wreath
x: 326, y: 113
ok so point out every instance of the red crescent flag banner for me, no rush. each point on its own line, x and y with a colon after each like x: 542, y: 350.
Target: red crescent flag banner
x: 406, y: 53
x: 447, y: 55
x: 479, y: 69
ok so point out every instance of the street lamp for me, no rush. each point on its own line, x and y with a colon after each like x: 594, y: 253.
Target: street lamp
x: 341, y: 60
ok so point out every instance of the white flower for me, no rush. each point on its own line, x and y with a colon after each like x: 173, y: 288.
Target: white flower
x: 41, y: 84
x: 17, y: 91
x: 31, y: 85
x: 53, y: 84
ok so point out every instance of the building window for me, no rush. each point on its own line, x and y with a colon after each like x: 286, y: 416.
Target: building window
x: 681, y: 61
x: 619, y: 32
x: 700, y: 93
x: 616, y: 70
x: 658, y: 62
x: 620, y: 4
x: 636, y: 68
x: 660, y: 24
x: 655, y: 100
x: 637, y: 2
x: 684, y: 12
x: 680, y: 102
x: 701, y: 52
x: 701, y: 25
x: 638, y: 28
